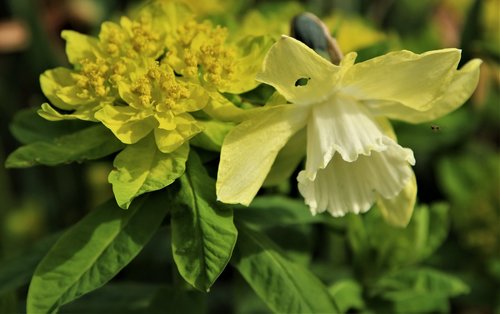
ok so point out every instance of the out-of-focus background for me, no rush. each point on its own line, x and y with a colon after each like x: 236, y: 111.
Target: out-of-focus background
x: 457, y: 156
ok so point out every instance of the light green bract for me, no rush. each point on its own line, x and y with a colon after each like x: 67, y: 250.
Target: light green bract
x: 353, y: 158
x: 147, y: 79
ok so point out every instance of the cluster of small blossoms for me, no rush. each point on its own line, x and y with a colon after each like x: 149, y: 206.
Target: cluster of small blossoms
x: 155, y: 80
x: 201, y: 46
x: 154, y: 67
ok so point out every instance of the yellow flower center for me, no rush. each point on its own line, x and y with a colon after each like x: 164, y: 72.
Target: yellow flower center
x: 204, y: 47
x: 130, y: 39
x: 159, y: 90
x: 118, y: 69
x: 112, y: 39
x: 92, y: 77
x: 144, y: 39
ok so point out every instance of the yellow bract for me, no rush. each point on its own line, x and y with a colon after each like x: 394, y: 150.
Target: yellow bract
x: 205, y: 54
x: 157, y: 101
x: 125, y: 77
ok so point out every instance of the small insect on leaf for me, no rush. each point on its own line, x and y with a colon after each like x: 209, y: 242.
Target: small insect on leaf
x: 435, y: 128
x: 302, y: 81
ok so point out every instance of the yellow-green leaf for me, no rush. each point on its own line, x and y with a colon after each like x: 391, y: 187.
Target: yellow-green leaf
x: 142, y: 168
x: 203, y: 233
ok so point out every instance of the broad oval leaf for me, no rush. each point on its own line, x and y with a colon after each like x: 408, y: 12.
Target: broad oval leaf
x: 90, y: 143
x: 203, y: 233
x: 93, y: 251
x: 286, y: 287
x: 142, y: 168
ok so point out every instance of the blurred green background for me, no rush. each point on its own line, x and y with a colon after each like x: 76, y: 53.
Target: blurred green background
x: 457, y: 156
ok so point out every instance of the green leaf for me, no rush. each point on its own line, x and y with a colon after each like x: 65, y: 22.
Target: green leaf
x: 142, y: 168
x: 93, y: 251
x: 396, y: 247
x: 17, y: 271
x: 477, y: 168
x: 470, y: 181
x: 285, y: 287
x: 28, y: 127
x: 348, y: 294
x: 203, y: 233
x: 212, y: 136
x: 419, y: 290
x: 90, y: 143
x: 269, y: 211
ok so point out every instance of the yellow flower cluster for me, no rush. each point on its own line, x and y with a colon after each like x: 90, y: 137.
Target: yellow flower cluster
x: 146, y: 67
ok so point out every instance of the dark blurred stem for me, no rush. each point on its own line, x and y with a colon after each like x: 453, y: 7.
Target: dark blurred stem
x: 378, y: 11
x: 5, y: 197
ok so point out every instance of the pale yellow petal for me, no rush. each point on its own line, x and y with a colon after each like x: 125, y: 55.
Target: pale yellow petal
x: 222, y: 109
x: 185, y: 128
x: 386, y: 127
x: 250, y: 149
x: 344, y: 187
x: 463, y: 84
x: 410, y: 79
x: 166, y: 120
x: 288, y: 159
x: 128, y: 125
x: 197, y: 100
x: 299, y: 73
x: 49, y: 113
x: 168, y: 141
x: 398, y: 210
x: 80, y: 46
x: 344, y: 126
x: 53, y: 81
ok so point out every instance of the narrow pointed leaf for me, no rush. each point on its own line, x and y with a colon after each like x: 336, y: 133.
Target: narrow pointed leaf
x: 91, y: 143
x: 286, y: 287
x: 203, y: 233
x: 93, y: 251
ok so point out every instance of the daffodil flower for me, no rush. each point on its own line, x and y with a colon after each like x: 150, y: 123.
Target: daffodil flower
x: 353, y: 159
